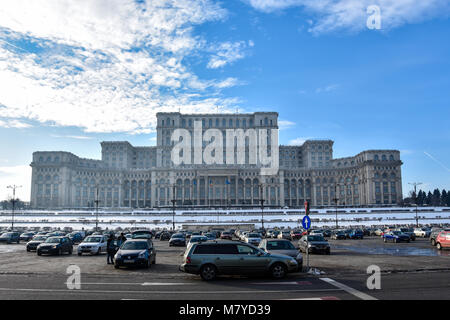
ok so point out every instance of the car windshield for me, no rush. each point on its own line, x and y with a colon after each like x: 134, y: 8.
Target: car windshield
x: 397, y: 233
x: 254, y: 235
x: 134, y: 245
x: 93, y: 239
x: 280, y: 245
x: 316, y: 238
x: 52, y: 240
x: 7, y: 234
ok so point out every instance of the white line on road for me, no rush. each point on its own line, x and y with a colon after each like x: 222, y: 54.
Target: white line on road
x: 167, y: 292
x: 352, y: 291
x: 136, y: 284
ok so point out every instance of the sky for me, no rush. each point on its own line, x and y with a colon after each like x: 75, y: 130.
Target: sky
x: 74, y: 73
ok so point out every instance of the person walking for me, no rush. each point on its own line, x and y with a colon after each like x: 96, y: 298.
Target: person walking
x: 110, y: 249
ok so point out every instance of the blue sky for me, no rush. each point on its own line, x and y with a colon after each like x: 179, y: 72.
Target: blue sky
x: 74, y: 73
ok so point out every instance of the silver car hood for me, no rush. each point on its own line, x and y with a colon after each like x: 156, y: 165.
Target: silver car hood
x: 290, y: 253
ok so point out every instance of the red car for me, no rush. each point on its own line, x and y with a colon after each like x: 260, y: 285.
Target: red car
x: 296, y: 234
x: 226, y: 236
x: 443, y: 240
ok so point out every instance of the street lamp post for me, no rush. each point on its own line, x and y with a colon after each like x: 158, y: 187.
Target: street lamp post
x: 173, y: 208
x: 97, y: 200
x: 336, y: 204
x: 13, y: 187
x: 262, y: 205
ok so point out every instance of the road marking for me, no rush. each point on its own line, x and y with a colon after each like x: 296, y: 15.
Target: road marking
x: 352, y: 291
x: 169, y: 292
x: 319, y: 298
x: 136, y: 284
x: 284, y: 283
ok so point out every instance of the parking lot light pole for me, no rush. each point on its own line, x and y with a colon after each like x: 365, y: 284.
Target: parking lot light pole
x: 336, y: 204
x: 262, y: 205
x: 13, y: 187
x: 173, y: 208
x: 96, y: 209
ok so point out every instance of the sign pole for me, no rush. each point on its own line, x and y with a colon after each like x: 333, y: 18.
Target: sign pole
x: 307, y: 225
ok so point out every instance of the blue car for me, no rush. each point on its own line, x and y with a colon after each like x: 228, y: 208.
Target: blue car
x: 396, y: 236
x: 356, y: 234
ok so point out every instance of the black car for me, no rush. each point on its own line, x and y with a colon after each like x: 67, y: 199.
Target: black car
x: 141, y: 233
x: 135, y: 252
x: 33, y: 243
x: 55, y: 246
x: 314, y: 244
x: 164, y: 236
x: 178, y: 239
x: 338, y: 235
x: 27, y: 236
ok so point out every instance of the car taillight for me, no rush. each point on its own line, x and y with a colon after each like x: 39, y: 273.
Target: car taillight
x: 188, y: 260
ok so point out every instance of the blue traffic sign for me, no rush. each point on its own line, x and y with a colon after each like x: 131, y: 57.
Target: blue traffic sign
x: 306, y: 222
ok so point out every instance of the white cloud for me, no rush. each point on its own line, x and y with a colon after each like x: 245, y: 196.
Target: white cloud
x: 351, y: 15
x: 18, y: 175
x: 72, y: 137
x: 14, y: 123
x: 227, y: 53
x: 328, y: 88
x: 108, y: 65
x: 285, y: 124
x: 298, y: 141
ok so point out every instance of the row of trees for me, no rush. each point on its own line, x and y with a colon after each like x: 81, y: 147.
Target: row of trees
x: 435, y: 198
x: 7, y: 204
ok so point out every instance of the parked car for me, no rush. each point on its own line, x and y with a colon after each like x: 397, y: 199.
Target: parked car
x: 409, y: 232
x: 275, y: 234
x: 356, y: 234
x: 226, y: 236
x: 422, y: 232
x: 209, y: 259
x: 338, y: 235
x: 55, y: 245
x: 195, y: 239
x: 26, y: 236
x: 282, y: 246
x: 396, y: 236
x: 92, y: 245
x: 285, y: 235
x: 296, y: 234
x: 135, y: 252
x: 435, y: 233
x: 314, y: 244
x: 178, y: 239
x: 443, y: 240
x: 146, y: 233
x: 33, y: 243
x: 253, y: 238
x: 75, y: 237
x: 10, y: 237
x: 326, y: 233
x: 210, y: 236
x: 164, y: 236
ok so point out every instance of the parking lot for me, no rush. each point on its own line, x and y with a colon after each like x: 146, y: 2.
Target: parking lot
x: 23, y: 274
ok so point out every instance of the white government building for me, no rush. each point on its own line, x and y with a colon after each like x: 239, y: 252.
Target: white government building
x: 145, y: 177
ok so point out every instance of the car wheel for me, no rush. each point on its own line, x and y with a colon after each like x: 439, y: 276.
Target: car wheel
x: 70, y: 251
x: 433, y: 242
x: 278, y: 271
x: 208, y: 272
x: 116, y: 266
x: 98, y: 251
x: 79, y: 253
x: 28, y: 250
x: 438, y: 246
x: 384, y: 239
x: 60, y: 252
x: 38, y: 253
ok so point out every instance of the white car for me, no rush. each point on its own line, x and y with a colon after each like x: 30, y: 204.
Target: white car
x: 422, y: 232
x: 284, y: 235
x: 92, y: 245
x: 253, y: 238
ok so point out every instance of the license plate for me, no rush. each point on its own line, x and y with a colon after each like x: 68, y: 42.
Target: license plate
x: 128, y: 261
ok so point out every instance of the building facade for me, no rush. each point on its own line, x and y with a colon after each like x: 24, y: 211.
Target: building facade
x: 146, y: 177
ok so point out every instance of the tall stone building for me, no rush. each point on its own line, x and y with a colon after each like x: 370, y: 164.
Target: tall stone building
x: 144, y: 177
